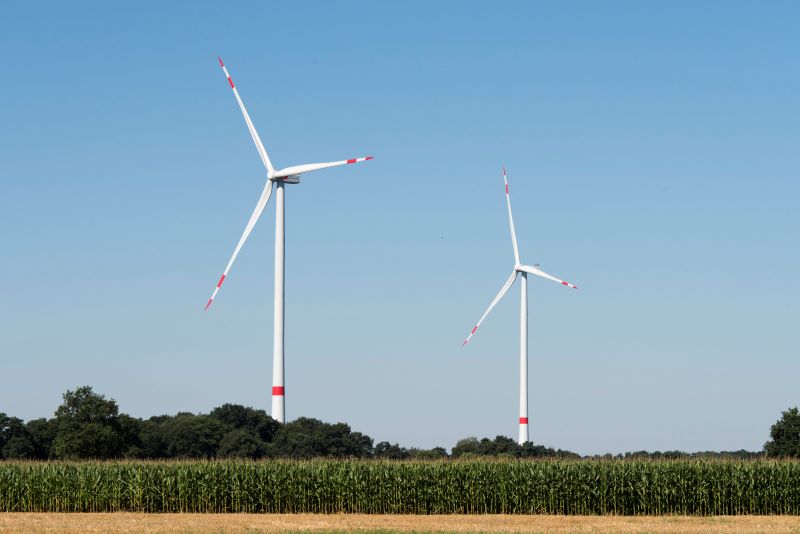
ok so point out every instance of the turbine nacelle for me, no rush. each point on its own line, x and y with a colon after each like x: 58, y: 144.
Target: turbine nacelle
x: 520, y: 268
x: 293, y: 179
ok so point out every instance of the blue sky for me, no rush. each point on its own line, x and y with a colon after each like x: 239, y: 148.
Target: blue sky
x: 652, y: 154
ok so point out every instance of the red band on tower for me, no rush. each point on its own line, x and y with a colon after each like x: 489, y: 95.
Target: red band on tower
x: 277, y: 391
x: 523, y: 420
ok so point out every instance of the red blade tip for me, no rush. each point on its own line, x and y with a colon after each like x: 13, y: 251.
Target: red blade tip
x: 369, y: 158
x: 208, y: 304
x: 220, y: 62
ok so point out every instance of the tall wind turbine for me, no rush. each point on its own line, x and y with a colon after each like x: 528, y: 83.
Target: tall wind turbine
x: 278, y: 178
x: 524, y: 270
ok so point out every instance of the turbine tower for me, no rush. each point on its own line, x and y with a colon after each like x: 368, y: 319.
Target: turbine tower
x: 523, y: 270
x: 276, y: 178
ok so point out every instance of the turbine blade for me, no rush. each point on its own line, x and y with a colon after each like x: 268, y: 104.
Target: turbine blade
x: 262, y: 202
x: 539, y: 272
x: 308, y: 167
x: 503, y: 291
x: 511, y: 220
x: 253, y: 133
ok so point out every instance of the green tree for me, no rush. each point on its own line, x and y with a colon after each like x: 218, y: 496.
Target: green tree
x: 130, y: 429
x: 87, y: 426
x: 500, y: 445
x: 241, y: 443
x: 386, y: 450
x: 4, y: 425
x: 193, y: 436
x: 20, y: 447
x: 306, y: 438
x: 42, y: 433
x: 468, y: 446
x: 241, y: 417
x: 152, y: 439
x: 785, y: 436
x: 435, y: 453
x: 15, y: 439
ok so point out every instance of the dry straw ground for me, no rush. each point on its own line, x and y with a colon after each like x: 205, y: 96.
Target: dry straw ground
x: 238, y: 523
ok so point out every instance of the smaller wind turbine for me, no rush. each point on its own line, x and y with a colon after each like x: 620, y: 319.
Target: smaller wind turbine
x: 524, y: 270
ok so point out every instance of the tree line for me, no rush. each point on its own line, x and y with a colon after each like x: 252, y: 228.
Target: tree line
x: 89, y: 425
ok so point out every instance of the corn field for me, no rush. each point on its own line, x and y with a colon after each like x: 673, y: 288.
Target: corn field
x: 626, y: 487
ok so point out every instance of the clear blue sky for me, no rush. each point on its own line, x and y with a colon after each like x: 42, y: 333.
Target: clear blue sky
x: 652, y: 150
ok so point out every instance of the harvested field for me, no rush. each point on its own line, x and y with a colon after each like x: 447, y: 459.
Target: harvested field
x: 236, y: 523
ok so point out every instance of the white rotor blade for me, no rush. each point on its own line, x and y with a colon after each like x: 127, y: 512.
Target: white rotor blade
x: 262, y: 202
x: 538, y: 272
x: 308, y: 167
x: 511, y: 220
x: 253, y: 133
x: 503, y: 291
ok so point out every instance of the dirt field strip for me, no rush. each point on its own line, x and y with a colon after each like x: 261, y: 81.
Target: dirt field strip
x: 236, y: 523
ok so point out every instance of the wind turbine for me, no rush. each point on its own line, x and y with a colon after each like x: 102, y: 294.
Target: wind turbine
x: 524, y: 270
x: 278, y: 178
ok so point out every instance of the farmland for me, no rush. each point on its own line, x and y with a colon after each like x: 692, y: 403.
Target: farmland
x: 564, y: 487
x: 113, y: 523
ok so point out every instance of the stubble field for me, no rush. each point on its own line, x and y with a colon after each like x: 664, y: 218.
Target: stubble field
x: 239, y: 523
